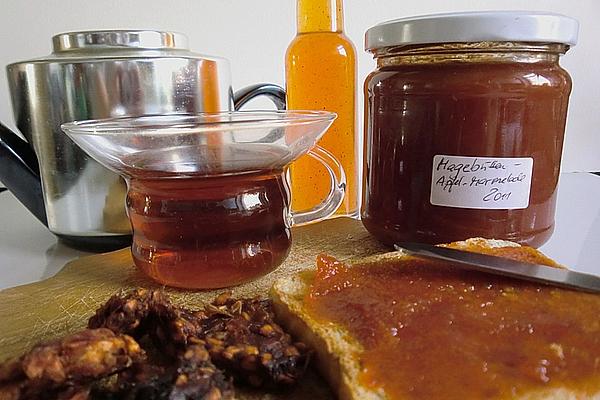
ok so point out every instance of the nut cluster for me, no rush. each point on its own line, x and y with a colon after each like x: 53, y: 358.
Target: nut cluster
x: 243, y: 339
x: 140, y: 346
x: 66, y: 367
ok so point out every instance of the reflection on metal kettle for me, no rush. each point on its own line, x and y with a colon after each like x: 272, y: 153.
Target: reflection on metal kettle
x: 93, y: 75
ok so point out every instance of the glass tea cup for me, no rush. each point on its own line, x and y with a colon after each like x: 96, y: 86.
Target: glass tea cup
x: 208, y: 198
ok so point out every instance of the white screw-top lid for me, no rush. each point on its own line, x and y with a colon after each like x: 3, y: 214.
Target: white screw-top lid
x: 466, y: 27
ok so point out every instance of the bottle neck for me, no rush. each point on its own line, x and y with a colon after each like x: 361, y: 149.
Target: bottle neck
x: 320, y: 16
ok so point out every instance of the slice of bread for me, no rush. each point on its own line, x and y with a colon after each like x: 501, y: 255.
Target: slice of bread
x: 339, y: 355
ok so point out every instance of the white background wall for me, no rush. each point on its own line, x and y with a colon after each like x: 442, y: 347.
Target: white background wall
x: 254, y: 34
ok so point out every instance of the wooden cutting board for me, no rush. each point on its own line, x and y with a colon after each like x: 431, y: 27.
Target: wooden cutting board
x: 62, y: 304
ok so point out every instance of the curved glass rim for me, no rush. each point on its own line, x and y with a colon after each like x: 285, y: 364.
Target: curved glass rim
x: 181, y: 123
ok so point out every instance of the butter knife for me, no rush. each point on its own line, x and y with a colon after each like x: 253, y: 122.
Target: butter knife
x: 505, y: 267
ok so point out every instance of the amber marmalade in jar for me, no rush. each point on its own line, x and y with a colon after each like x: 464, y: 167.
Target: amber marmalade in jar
x: 464, y: 126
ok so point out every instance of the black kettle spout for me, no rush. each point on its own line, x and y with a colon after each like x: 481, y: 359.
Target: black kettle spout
x: 19, y: 172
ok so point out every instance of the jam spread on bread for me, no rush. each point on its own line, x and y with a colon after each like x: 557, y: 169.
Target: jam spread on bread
x: 429, y: 331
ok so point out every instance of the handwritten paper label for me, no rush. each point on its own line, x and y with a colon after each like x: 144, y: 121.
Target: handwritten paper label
x: 495, y: 183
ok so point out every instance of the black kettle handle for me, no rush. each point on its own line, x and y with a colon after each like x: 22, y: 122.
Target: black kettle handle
x: 275, y: 93
x: 20, y: 173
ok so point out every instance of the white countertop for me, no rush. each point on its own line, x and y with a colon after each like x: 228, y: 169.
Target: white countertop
x: 29, y: 252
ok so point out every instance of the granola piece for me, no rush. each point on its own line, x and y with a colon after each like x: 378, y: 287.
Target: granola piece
x: 192, y: 377
x: 10, y: 391
x: 240, y: 335
x: 243, y: 338
x: 127, y: 313
x: 10, y: 370
x: 144, y: 312
x: 174, y: 327
x: 50, y: 368
x: 14, y: 392
x: 198, y: 378
x: 73, y: 393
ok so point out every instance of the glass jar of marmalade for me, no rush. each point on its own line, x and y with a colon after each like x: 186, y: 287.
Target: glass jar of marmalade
x: 464, y: 126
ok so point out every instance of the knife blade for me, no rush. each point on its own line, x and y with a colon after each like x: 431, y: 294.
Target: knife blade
x: 505, y: 267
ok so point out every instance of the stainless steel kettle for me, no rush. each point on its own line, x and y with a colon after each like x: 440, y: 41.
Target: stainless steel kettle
x: 92, y: 75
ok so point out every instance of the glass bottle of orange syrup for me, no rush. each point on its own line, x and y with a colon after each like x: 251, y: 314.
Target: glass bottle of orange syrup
x: 321, y: 75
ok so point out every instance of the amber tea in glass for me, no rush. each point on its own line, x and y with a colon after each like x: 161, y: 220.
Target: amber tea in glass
x: 208, y: 198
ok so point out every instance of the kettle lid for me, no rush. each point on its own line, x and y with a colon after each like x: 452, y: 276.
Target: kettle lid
x: 113, y: 44
x: 119, y: 39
